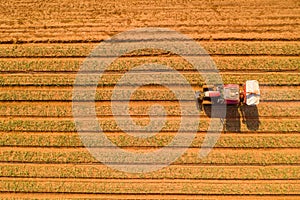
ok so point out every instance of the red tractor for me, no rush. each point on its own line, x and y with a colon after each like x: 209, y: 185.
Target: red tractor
x: 229, y: 94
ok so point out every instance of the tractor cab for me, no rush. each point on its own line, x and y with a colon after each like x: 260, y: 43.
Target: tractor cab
x: 231, y: 94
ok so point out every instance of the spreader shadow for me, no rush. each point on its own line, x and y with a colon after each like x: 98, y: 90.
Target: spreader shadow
x: 250, y: 117
x: 234, y: 115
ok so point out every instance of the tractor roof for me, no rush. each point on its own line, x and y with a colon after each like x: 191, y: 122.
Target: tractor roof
x: 231, y: 92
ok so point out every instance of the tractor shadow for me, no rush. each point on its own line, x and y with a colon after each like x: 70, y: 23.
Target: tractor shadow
x: 234, y: 115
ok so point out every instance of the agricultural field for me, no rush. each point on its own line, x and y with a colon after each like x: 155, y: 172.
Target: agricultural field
x: 43, y: 45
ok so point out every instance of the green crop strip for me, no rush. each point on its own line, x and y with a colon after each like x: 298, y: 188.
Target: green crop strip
x: 277, y: 125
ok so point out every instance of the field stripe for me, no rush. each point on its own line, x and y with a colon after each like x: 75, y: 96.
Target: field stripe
x: 217, y: 156
x: 72, y: 65
x: 81, y: 171
x: 213, y: 48
x: 151, y: 186
x: 12, y: 195
x: 54, y: 36
x: 98, y: 32
x: 171, y: 124
x: 275, y: 94
x: 288, y: 78
x: 73, y: 140
x: 137, y: 108
x: 97, y: 37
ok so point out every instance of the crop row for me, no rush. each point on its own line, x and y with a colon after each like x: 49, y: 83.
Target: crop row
x: 34, y: 93
x: 60, y: 33
x: 64, y: 37
x: 240, y: 15
x: 191, y: 156
x: 150, y: 187
x: 171, y: 172
x: 98, y: 28
x: 170, y: 125
x: 166, y: 79
x: 9, y: 195
x: 125, y: 64
x: 213, y: 48
x: 245, y: 19
x: 64, y: 109
x: 160, y: 140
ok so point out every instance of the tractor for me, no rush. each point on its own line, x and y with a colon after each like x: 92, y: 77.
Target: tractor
x: 229, y: 94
